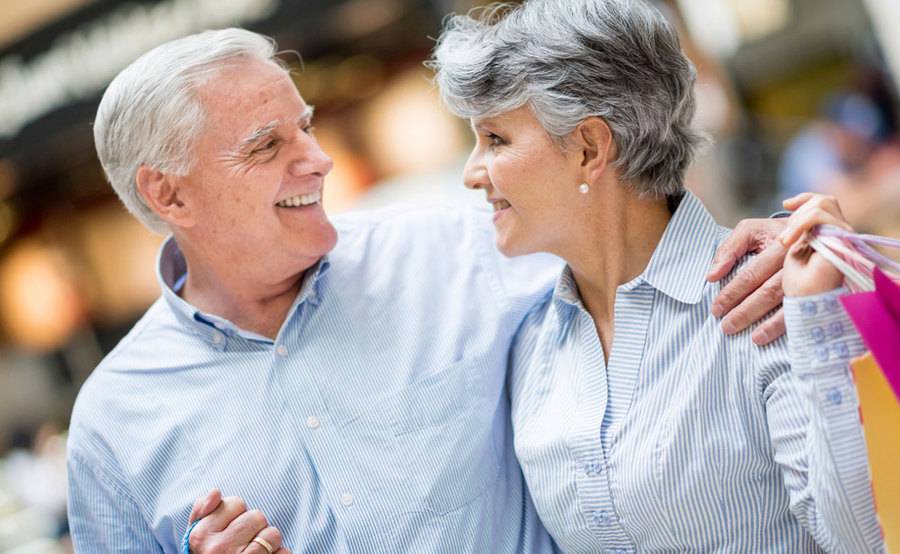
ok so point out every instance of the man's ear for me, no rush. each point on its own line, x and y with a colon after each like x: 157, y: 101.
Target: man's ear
x: 594, y: 141
x: 162, y: 194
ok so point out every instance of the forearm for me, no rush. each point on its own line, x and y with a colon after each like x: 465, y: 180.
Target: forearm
x: 837, y: 503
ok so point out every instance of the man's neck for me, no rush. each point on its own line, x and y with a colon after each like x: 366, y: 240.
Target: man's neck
x: 251, y: 299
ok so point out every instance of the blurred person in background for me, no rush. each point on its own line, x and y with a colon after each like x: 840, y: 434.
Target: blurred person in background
x: 853, y: 153
x: 826, y: 150
x: 639, y: 426
x: 345, y: 378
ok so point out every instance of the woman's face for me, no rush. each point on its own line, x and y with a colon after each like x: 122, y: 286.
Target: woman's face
x: 530, y: 181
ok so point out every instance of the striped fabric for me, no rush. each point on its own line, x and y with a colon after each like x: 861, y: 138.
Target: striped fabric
x: 377, y: 421
x: 690, y: 441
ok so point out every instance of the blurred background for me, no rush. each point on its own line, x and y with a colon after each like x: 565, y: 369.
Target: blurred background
x: 797, y: 95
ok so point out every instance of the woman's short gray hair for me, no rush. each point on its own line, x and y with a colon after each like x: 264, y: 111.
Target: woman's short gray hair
x: 150, y: 114
x: 568, y: 60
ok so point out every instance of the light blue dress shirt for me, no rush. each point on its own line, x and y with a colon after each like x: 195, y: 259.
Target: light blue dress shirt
x: 377, y: 421
x: 688, y: 440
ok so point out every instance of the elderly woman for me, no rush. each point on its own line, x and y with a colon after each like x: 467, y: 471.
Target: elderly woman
x: 638, y: 424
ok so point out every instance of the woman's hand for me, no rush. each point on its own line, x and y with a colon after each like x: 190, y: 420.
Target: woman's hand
x: 806, y: 272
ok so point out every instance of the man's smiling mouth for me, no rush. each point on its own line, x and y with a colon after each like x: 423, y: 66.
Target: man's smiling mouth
x: 301, y: 200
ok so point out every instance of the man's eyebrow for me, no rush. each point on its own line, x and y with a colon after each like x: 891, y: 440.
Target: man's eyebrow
x: 307, y: 115
x: 257, y: 134
x: 253, y: 137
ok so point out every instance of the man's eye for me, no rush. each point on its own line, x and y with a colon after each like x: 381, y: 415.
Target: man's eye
x: 266, y: 146
x: 309, y: 129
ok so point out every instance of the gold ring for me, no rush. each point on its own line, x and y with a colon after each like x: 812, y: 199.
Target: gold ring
x: 264, y: 543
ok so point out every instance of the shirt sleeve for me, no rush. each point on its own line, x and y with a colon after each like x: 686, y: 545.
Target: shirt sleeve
x: 815, y: 428
x: 520, y: 281
x: 102, y: 516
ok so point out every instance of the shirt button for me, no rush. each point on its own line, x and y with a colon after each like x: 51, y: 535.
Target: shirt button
x: 313, y: 422
x: 217, y: 338
x: 282, y: 350
x: 842, y: 350
x: 347, y: 499
x: 836, y: 329
x: 818, y: 334
x: 601, y: 517
x: 835, y: 397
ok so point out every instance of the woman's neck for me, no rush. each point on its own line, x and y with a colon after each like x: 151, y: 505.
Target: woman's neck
x: 613, y: 247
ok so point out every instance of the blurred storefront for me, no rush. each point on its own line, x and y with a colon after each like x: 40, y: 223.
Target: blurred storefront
x: 76, y: 270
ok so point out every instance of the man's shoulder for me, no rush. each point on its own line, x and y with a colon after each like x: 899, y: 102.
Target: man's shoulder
x: 439, y: 236
x: 119, y: 382
x: 412, y: 217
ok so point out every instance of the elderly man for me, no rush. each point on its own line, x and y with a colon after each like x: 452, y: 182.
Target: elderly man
x: 346, y: 380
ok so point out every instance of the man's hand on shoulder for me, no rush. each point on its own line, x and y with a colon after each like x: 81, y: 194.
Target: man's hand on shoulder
x: 757, y: 289
x: 226, y: 526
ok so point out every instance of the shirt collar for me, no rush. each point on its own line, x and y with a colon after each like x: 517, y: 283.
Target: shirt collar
x: 171, y: 267
x: 680, y: 262
x: 682, y: 258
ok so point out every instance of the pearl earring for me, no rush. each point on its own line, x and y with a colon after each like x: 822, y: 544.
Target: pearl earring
x: 584, y: 188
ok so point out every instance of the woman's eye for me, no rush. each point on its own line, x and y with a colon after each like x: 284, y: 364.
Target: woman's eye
x: 495, y: 140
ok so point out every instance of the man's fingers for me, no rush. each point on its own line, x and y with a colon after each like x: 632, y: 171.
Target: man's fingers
x: 770, y: 329
x: 272, y: 538
x: 750, y: 235
x: 738, y: 243
x: 230, y: 508
x: 748, y: 279
x: 205, y: 505
x: 244, y: 527
x: 763, y: 300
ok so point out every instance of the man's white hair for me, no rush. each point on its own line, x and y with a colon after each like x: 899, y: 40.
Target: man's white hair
x: 151, y: 115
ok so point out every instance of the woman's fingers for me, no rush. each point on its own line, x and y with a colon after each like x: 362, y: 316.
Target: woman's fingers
x: 205, y: 505
x: 796, y: 201
x: 816, y: 210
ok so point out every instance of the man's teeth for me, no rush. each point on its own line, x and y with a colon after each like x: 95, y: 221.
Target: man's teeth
x: 500, y: 205
x: 300, y: 200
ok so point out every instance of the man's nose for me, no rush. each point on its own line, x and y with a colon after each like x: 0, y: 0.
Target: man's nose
x: 310, y: 158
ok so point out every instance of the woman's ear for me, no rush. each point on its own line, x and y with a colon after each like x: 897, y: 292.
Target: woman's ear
x: 594, y: 139
x: 162, y: 194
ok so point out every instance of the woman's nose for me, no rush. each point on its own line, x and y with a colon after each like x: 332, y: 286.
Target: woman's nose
x: 475, y: 174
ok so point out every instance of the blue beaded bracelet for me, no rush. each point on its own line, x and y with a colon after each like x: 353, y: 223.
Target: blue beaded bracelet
x: 185, y: 542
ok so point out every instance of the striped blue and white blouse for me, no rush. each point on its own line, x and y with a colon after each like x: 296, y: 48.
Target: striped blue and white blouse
x: 376, y: 421
x: 689, y: 440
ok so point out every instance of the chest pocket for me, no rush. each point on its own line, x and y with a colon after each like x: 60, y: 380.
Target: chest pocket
x: 438, y: 439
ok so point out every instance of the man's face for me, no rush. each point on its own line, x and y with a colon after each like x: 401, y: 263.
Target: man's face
x: 256, y: 185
